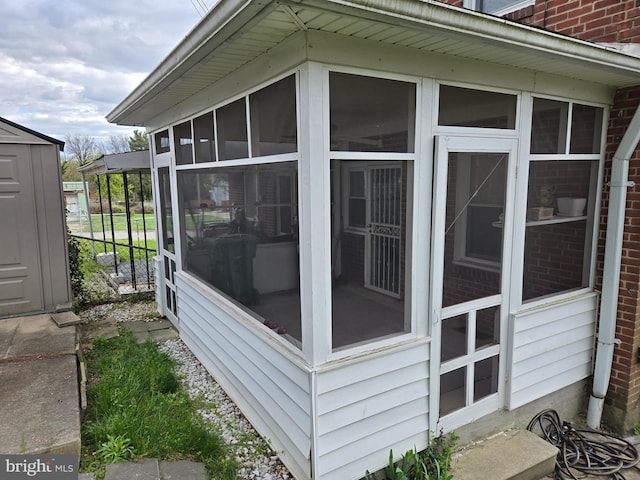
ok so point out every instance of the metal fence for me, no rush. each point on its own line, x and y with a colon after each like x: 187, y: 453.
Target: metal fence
x: 119, y: 243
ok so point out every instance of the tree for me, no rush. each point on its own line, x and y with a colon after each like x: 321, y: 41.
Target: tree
x: 118, y: 144
x: 82, y: 148
x: 70, y: 172
x: 138, y: 141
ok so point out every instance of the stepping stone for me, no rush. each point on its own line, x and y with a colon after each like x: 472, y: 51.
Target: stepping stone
x: 182, y: 470
x: 65, y: 319
x: 146, y: 469
x: 162, y: 335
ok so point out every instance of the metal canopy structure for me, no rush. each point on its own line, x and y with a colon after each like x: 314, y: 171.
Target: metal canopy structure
x: 117, y: 163
x: 130, y: 163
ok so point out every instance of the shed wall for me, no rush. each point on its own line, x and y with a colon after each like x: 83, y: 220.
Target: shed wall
x: 52, y: 234
x: 36, y: 250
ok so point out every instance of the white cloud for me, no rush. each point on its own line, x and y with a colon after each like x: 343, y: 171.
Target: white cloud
x: 65, y: 65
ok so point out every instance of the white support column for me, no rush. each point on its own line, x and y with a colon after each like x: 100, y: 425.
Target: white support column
x: 314, y: 215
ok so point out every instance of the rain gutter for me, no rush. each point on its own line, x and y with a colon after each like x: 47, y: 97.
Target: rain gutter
x: 611, y: 275
x: 224, y: 20
x: 230, y: 18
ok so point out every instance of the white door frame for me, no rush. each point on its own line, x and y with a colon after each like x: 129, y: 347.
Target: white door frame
x: 168, y: 261
x: 443, y: 146
x: 372, y: 228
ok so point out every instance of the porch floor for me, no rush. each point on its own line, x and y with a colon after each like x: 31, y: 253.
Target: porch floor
x: 359, y: 314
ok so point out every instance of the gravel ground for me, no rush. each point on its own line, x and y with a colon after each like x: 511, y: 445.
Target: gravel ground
x: 256, y: 459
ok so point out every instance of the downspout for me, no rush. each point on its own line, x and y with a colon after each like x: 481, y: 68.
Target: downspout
x: 611, y: 274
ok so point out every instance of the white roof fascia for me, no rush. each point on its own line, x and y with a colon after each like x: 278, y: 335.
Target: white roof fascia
x: 233, y: 17
x: 485, y: 28
x: 189, y: 51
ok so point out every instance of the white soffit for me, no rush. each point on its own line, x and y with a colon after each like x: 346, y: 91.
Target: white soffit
x: 236, y: 32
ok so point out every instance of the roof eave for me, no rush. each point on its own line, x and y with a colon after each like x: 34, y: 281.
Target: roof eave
x: 230, y: 17
x: 220, y: 23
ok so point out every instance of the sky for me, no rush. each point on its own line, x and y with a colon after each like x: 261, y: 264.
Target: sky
x: 65, y: 64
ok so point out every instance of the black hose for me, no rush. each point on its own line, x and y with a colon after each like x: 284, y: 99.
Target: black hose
x: 583, y: 452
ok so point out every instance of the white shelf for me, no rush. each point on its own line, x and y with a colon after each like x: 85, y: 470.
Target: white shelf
x: 533, y: 223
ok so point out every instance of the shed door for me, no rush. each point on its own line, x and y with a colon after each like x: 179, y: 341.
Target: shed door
x: 20, y: 277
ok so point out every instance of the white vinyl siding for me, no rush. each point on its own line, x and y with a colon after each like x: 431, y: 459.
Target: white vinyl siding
x: 552, y: 348
x: 369, y: 406
x: 270, y: 389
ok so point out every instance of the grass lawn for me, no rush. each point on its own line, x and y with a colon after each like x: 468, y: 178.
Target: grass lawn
x: 123, y: 251
x: 120, y: 222
x: 137, y: 409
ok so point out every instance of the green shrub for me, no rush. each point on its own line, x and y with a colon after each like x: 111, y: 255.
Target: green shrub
x: 75, y: 265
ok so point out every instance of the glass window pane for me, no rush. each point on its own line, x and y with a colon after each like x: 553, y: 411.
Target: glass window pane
x: 487, y: 327
x: 465, y: 107
x: 166, y: 210
x: 232, y: 130
x: 357, y: 199
x: 485, y: 378
x: 371, y: 114
x: 183, y: 142
x: 586, y: 129
x: 452, y: 391
x: 369, y: 298
x: 273, y: 119
x: 473, y: 236
x: 491, y: 6
x: 161, y: 140
x: 549, y: 126
x: 557, y: 254
x: 245, y: 249
x: 454, y: 338
x: 203, y: 133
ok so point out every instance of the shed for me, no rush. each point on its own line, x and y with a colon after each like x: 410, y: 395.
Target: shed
x: 380, y: 219
x: 34, y: 267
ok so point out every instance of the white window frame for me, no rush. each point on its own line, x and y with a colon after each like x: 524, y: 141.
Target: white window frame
x: 517, y: 5
x: 346, y: 178
x: 461, y: 255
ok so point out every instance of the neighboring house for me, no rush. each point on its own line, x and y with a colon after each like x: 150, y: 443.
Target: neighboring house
x: 34, y: 267
x: 75, y: 201
x: 382, y: 219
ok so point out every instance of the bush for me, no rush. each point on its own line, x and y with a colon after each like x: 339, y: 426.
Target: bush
x: 148, y: 208
x: 96, y: 291
x: 75, y: 265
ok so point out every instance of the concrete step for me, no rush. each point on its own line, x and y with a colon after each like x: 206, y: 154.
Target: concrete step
x: 152, y: 469
x: 514, y: 455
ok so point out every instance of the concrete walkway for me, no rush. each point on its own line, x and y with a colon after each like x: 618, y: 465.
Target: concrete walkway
x: 39, y: 390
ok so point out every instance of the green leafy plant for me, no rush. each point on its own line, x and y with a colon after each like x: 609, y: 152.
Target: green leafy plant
x: 116, y: 449
x: 75, y: 266
x: 433, y: 463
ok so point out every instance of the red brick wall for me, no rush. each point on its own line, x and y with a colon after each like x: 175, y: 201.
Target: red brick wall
x: 623, y: 410
x: 592, y: 20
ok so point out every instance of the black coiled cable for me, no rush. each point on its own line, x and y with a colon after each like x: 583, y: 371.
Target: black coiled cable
x: 584, y: 452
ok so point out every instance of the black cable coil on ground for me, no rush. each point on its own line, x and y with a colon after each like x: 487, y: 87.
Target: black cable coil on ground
x: 584, y: 452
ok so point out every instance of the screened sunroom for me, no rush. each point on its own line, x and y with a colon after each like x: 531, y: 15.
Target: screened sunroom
x: 372, y: 226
